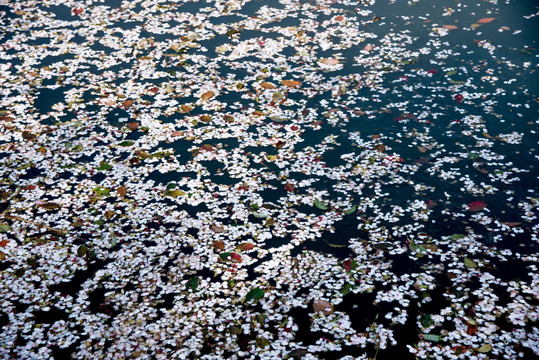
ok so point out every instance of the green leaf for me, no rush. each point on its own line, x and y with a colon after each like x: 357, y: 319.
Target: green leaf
x: 262, y: 342
x: 451, y: 73
x: 126, y: 143
x: 260, y: 215
x: 432, y: 337
x: 99, y: 191
x: 171, y: 186
x: 225, y: 256
x: 346, y: 289
x: 485, y: 348
x: 104, y: 166
x: 82, y: 250
x: 113, y: 240
x: 426, y: 320
x: 297, y: 353
x: 4, y: 227
x: 254, y: 294
x: 457, y: 236
x: 193, y: 283
x: 175, y: 193
x: 351, y: 210
x: 319, y: 204
x: 470, y: 264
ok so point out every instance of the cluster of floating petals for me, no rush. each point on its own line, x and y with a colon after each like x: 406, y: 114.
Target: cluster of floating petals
x: 283, y: 179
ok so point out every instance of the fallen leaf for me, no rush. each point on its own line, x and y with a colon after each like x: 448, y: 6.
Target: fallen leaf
x: 207, y: 95
x: 289, y: 187
x: 432, y: 337
x: 470, y: 264
x: 254, y: 294
x: 127, y: 104
x: 132, y: 125
x: 511, y: 223
x: 218, y: 244
x: 477, y: 205
x: 380, y: 147
x: 48, y: 205
x: 368, y: 47
x: 450, y: 27
x: 78, y: 11
x: 291, y: 83
x: 323, y: 307
x: 331, y: 61
x: 267, y: 85
x: 485, y: 20
x: 485, y: 348
x: 245, y: 246
x: 421, y: 149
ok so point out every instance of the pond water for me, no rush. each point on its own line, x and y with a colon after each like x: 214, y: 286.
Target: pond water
x: 269, y: 179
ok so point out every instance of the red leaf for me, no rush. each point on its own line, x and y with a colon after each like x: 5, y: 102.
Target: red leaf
x: 339, y: 18
x: 78, y: 11
x: 450, y: 27
x: 289, y: 187
x: 246, y: 246
x: 459, y: 98
x: 235, y: 257
x: 3, y: 243
x: 207, y: 147
x: 471, y: 329
x: 477, y: 205
x: 347, y: 265
x: 485, y: 20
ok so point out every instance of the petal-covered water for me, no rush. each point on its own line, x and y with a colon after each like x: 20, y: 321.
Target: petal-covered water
x: 268, y: 179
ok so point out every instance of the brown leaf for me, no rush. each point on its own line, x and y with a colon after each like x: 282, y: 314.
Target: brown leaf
x: 218, y: 245
x: 185, y: 109
x: 267, y: 85
x: 484, y: 171
x: 207, y: 95
x: 421, y: 149
x: 380, y: 147
x: 132, y: 125
x: 49, y: 205
x: 450, y: 27
x: 359, y: 112
x: 323, y: 307
x: 331, y: 61
x: 127, y: 104
x: 217, y: 229
x: 122, y: 191
x: 109, y: 214
x: 511, y: 223
x: 291, y: 83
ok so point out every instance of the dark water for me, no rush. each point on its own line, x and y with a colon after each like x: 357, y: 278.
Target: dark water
x: 157, y: 167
